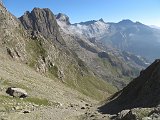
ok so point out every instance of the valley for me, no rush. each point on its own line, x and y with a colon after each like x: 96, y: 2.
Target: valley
x: 51, y: 69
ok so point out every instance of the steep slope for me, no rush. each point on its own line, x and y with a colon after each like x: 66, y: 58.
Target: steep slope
x: 44, y: 67
x: 42, y: 48
x: 100, y: 66
x: 95, y: 33
x: 105, y: 61
x: 141, y: 92
x: 47, y: 99
x: 40, y: 20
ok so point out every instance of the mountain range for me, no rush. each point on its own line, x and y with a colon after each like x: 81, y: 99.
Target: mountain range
x: 125, y: 35
x: 105, y: 62
x: 65, y: 68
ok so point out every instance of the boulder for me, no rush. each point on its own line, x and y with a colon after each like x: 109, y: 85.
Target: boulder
x: 123, y: 113
x: 26, y: 111
x: 146, y: 118
x: 130, y: 116
x: 126, y: 115
x: 16, y: 92
x: 82, y: 108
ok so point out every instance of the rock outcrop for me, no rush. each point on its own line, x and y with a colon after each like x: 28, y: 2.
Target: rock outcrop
x: 43, y: 21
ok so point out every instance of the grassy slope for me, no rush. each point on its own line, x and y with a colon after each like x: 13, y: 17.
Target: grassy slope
x: 87, y: 84
x: 40, y: 88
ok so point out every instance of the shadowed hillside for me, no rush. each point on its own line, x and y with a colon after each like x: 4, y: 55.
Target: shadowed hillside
x: 141, y: 92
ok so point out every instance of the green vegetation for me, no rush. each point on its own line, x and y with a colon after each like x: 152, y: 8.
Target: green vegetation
x: 7, y: 103
x: 13, y: 84
x: 38, y: 101
x: 82, y: 65
x: 53, y: 70
x: 92, y: 87
x: 115, y: 71
x: 95, y: 88
x: 142, y: 113
x: 35, y: 48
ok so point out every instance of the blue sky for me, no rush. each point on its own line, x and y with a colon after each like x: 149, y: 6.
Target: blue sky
x: 145, y: 11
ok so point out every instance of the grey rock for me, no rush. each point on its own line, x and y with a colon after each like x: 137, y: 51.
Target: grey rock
x: 26, y: 111
x: 129, y: 116
x: 63, y: 18
x: 123, y: 113
x: 82, y: 108
x: 44, y: 22
x: 146, y: 118
x: 16, y: 92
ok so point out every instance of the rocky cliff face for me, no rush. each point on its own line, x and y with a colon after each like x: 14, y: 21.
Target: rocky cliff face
x: 141, y: 92
x: 43, y: 21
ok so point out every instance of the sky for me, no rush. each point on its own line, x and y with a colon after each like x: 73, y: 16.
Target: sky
x: 144, y: 11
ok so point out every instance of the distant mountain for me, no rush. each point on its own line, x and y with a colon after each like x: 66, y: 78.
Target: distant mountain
x: 94, y: 31
x: 134, y: 37
x: 154, y: 26
x: 107, y: 62
x: 125, y: 35
x: 89, y: 29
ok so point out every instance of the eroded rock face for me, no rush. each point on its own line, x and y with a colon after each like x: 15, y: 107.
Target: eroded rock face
x: 43, y: 21
x: 17, y: 92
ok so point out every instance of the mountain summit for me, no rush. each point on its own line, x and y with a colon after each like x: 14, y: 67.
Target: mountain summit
x: 63, y: 18
x: 43, y: 21
x: 126, y: 22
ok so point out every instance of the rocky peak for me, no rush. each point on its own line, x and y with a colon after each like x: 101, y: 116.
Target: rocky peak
x: 31, y: 20
x: 101, y: 20
x: 126, y: 22
x: 141, y: 92
x: 63, y: 18
x: 43, y: 21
